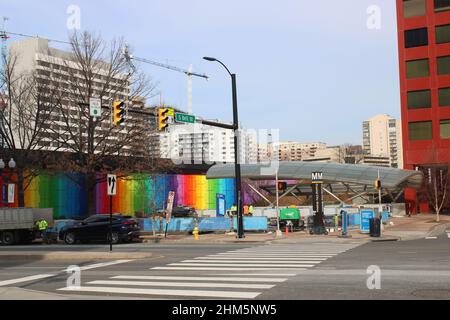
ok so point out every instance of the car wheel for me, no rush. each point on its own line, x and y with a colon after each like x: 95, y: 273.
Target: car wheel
x: 115, y: 238
x: 8, y: 238
x: 69, y: 238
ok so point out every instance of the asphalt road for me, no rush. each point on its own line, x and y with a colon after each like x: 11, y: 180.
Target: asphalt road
x: 311, y: 269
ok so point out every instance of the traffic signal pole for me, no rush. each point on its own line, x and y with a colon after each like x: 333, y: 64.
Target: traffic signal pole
x: 278, y: 205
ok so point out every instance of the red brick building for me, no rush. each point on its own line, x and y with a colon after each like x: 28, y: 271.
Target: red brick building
x: 424, y: 54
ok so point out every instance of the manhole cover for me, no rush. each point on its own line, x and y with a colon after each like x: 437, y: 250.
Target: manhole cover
x: 432, y: 293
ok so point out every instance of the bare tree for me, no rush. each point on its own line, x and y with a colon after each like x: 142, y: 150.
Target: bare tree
x: 95, y: 68
x: 436, y: 187
x: 25, y: 110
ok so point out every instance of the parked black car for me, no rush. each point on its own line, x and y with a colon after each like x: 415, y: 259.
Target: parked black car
x: 183, y: 212
x: 96, y: 228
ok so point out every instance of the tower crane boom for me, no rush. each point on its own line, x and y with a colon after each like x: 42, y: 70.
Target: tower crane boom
x: 189, y: 72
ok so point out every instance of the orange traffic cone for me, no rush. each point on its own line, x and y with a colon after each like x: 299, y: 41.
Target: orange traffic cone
x: 287, y: 231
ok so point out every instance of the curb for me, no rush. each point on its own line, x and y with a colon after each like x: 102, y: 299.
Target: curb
x: 73, y: 255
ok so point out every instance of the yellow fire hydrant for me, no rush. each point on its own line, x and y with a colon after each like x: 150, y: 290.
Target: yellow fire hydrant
x: 195, y: 232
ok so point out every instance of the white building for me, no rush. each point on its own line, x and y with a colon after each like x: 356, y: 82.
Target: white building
x: 289, y: 150
x: 59, y: 72
x: 203, y: 144
x: 382, y: 137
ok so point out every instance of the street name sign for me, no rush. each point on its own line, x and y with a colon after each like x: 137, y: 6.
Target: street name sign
x: 185, y: 118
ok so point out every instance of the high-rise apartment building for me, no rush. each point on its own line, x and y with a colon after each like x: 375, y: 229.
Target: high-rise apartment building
x: 382, y: 137
x: 60, y: 72
x: 424, y: 59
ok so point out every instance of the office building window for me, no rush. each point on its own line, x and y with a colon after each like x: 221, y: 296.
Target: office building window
x: 443, y: 65
x: 419, y: 99
x: 417, y: 68
x: 416, y: 38
x: 414, y: 8
x: 441, y: 5
x: 443, y: 33
x: 444, y: 97
x: 445, y: 129
x: 421, y: 130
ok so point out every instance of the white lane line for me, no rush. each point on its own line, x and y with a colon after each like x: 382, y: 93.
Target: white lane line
x: 25, y: 279
x: 431, y: 238
x: 220, y: 269
x: 259, y: 258
x: 167, y: 292
x: 300, y: 265
x: 259, y: 274
x: 253, y: 261
x: 207, y: 278
x: 183, y: 284
x: 274, y: 255
x: 103, y: 264
x: 448, y: 235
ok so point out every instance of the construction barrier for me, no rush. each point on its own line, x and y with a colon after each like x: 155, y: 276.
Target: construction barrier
x: 204, y: 224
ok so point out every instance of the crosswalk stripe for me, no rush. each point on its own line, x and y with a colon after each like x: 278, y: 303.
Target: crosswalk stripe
x: 301, y: 265
x: 253, y: 261
x: 235, y: 279
x: 168, y: 292
x: 219, y: 268
x: 259, y: 258
x: 25, y: 279
x: 183, y: 284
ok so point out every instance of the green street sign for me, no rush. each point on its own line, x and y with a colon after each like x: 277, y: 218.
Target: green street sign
x: 186, y: 118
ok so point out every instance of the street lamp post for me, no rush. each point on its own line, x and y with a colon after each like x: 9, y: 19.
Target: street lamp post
x: 237, y: 166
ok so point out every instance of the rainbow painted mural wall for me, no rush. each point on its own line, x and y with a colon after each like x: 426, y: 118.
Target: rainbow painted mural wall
x: 135, y: 193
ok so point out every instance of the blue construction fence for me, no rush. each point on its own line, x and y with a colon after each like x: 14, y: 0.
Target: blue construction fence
x: 204, y: 224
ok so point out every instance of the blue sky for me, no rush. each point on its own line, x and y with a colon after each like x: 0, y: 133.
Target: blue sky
x: 309, y: 68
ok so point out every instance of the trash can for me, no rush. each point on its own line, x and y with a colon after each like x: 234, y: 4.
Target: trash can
x: 375, y: 227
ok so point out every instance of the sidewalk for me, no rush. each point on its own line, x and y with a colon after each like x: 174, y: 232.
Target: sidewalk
x: 398, y: 228
x: 417, y: 226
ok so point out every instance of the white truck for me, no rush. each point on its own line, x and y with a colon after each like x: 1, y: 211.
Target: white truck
x: 18, y: 225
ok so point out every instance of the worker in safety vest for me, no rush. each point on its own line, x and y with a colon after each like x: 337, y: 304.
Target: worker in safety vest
x: 250, y: 210
x: 42, y: 225
x: 245, y: 210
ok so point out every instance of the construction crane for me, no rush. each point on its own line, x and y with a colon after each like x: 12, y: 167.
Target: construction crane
x: 188, y: 72
x: 4, y: 37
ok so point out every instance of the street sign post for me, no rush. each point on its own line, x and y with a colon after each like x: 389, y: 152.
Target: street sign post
x: 112, y: 190
x: 170, y: 200
x: 95, y: 107
x: 184, y: 118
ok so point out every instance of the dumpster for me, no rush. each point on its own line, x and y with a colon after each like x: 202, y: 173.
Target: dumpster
x: 375, y: 227
x: 291, y: 216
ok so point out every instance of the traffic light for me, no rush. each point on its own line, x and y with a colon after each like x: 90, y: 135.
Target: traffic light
x: 282, y: 186
x: 377, y: 184
x: 163, y: 118
x: 119, y: 112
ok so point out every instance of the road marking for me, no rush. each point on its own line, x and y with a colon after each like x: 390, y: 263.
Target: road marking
x: 25, y: 279
x: 206, y: 278
x: 168, y: 292
x: 183, y: 284
x: 448, y: 235
x: 103, y: 264
x: 257, y: 261
x: 240, y: 265
x: 217, y: 269
x: 259, y: 274
x: 273, y: 255
x: 431, y: 238
x: 260, y: 258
